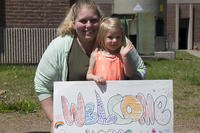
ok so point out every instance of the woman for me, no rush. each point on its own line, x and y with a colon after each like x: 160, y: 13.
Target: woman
x: 67, y: 56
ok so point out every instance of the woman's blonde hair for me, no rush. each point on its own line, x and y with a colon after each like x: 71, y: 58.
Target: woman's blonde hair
x: 109, y: 24
x: 66, y: 27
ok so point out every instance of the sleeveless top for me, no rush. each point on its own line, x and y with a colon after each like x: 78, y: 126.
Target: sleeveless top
x: 78, y: 63
x: 110, y: 67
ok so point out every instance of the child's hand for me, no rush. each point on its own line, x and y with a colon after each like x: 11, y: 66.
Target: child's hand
x: 125, y: 50
x: 100, y: 80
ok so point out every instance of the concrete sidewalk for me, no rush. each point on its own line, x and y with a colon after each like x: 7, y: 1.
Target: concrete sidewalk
x: 169, y: 54
x: 194, y: 52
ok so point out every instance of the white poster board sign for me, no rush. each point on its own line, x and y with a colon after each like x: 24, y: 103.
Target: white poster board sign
x: 144, y: 106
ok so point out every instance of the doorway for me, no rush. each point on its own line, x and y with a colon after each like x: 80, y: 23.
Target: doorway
x: 183, y: 33
x: 133, y: 39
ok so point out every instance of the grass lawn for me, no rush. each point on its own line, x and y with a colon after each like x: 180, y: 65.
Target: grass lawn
x: 17, y: 90
x: 185, y: 73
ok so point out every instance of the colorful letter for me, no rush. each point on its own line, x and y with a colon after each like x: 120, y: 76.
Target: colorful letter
x: 113, y: 101
x: 148, y: 107
x: 101, y: 113
x: 90, y: 115
x: 131, y: 108
x: 162, y: 115
x: 76, y: 113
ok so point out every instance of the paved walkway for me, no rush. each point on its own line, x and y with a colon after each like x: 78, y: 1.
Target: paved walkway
x: 194, y: 52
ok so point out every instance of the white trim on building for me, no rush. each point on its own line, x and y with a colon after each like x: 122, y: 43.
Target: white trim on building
x: 183, y: 1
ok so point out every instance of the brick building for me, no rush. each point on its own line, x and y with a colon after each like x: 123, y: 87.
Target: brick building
x: 28, y: 26
x: 32, y: 13
x: 183, y: 24
x: 38, y: 14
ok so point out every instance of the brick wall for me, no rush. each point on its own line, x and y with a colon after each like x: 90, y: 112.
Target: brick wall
x: 171, y: 22
x: 184, y: 10
x: 106, y: 9
x: 197, y: 23
x: 27, y: 27
x: 33, y: 13
x: 184, y: 13
x: 37, y: 13
x: 2, y: 12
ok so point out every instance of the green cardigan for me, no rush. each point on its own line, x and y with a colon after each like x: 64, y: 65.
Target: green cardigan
x: 53, y: 66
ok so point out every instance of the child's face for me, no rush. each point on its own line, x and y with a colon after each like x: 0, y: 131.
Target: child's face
x: 113, y: 40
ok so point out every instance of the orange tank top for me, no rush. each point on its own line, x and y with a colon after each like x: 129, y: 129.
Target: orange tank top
x: 110, y: 67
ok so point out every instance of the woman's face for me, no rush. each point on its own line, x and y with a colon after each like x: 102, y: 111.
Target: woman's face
x: 86, y: 24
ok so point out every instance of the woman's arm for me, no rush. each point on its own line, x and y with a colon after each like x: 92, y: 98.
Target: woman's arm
x: 137, y: 64
x: 47, y: 72
x: 47, y: 106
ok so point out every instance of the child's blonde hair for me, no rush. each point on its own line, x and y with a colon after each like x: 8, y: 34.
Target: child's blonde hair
x: 109, y: 24
x: 66, y: 27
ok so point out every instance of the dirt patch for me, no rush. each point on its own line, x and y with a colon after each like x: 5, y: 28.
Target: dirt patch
x: 24, y: 123
x: 187, y: 126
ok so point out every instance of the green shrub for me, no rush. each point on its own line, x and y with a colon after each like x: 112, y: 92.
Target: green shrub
x: 24, y: 106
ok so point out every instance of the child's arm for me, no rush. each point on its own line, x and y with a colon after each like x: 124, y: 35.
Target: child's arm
x: 90, y: 75
x: 127, y: 65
